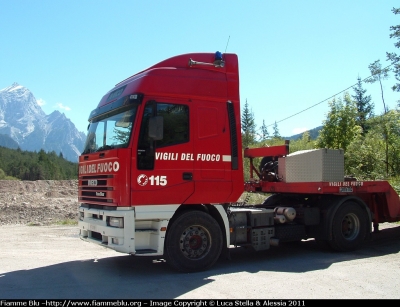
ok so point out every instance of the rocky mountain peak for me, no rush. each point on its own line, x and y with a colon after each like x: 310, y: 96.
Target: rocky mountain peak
x: 23, y: 120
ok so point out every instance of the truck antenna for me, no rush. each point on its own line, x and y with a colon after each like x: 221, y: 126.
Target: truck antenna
x: 227, y: 43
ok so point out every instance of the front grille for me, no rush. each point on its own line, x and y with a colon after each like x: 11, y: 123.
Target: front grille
x: 98, y: 200
x: 99, y: 193
x: 97, y: 189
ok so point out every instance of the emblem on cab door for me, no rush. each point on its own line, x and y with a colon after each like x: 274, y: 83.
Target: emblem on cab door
x: 142, y: 180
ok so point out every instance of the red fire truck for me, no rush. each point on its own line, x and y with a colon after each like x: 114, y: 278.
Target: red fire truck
x: 162, y: 172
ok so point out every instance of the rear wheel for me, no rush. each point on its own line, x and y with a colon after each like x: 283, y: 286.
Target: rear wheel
x: 194, y: 242
x: 349, y: 227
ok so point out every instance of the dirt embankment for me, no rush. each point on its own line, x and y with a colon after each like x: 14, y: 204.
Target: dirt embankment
x: 41, y: 202
x: 47, y: 202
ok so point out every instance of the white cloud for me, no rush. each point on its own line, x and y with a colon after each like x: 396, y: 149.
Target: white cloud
x: 61, y: 106
x: 299, y: 130
x: 40, y: 102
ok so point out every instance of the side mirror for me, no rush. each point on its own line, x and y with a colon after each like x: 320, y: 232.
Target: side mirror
x: 156, y: 128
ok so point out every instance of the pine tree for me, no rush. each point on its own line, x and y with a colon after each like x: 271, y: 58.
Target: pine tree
x: 275, y: 133
x: 248, y: 126
x: 264, y: 132
x: 364, y: 106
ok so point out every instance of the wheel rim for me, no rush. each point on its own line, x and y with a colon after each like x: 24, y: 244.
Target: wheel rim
x: 350, y: 226
x: 195, y: 242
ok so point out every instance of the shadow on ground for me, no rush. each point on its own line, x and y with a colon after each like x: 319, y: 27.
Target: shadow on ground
x: 146, y: 278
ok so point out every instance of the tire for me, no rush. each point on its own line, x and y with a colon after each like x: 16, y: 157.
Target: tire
x: 193, y: 242
x: 349, y: 227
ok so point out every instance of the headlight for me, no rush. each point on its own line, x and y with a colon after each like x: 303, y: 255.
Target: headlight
x: 116, y: 222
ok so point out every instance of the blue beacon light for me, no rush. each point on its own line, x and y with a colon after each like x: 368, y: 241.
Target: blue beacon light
x: 218, y: 59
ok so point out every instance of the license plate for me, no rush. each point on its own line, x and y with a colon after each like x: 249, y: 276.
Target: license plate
x: 345, y: 190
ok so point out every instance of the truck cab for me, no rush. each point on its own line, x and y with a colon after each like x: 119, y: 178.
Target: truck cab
x: 164, y: 140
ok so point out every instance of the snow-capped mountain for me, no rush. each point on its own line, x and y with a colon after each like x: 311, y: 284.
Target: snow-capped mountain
x: 23, y: 120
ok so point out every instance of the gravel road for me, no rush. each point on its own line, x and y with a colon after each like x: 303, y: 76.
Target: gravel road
x: 51, y: 262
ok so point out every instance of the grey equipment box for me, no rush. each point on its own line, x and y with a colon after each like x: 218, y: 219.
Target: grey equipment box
x: 313, y: 165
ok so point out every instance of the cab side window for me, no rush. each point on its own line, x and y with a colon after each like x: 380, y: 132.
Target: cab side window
x: 176, y: 124
x: 175, y: 130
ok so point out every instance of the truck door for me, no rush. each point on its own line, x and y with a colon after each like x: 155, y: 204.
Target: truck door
x: 213, y: 156
x: 164, y: 167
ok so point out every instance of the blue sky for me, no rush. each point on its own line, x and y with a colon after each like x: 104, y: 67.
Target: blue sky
x: 292, y: 54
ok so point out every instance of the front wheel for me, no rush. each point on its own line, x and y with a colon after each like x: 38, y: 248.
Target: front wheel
x: 193, y: 242
x: 349, y: 227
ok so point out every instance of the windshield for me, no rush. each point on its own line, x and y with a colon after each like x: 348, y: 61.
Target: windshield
x: 110, y: 130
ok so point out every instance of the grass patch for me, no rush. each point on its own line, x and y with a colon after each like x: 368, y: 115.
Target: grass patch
x: 67, y: 222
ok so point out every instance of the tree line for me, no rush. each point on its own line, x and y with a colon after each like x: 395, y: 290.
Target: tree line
x: 371, y: 143
x: 27, y: 165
